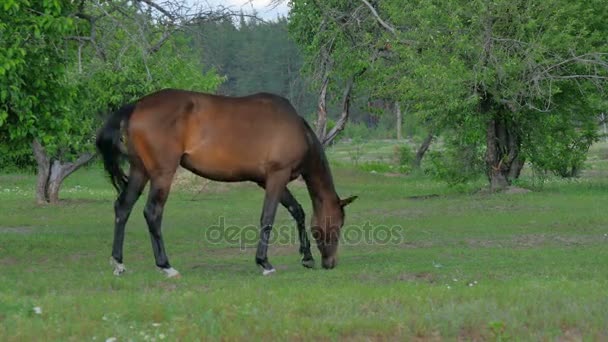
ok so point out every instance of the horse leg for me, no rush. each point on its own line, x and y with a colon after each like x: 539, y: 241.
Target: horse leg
x: 122, y: 209
x: 274, y: 185
x: 153, y: 212
x: 296, y: 211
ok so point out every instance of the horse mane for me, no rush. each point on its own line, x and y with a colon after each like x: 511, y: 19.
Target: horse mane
x: 317, y: 156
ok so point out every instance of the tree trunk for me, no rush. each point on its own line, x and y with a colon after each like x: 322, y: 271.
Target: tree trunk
x: 422, y: 150
x: 603, y: 121
x: 59, y: 172
x: 322, y: 109
x: 43, y: 172
x: 327, y: 137
x: 399, y: 120
x: 503, y: 160
x: 50, y: 177
x: 341, y: 123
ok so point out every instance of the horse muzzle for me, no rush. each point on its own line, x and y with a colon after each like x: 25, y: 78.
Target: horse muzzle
x: 329, y: 262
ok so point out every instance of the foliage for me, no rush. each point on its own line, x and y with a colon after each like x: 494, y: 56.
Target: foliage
x: 460, y: 161
x: 559, y: 143
x: 500, y: 69
x: 530, y: 64
x: 35, y: 98
x: 404, y: 156
x: 60, y: 81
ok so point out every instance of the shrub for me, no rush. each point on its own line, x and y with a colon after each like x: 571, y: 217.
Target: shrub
x: 404, y: 158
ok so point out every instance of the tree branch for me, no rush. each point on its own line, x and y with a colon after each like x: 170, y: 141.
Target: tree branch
x: 380, y: 21
x: 159, y: 8
x: 322, y: 108
x: 346, y: 96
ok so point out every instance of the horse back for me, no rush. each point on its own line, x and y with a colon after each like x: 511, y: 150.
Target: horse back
x: 223, y: 138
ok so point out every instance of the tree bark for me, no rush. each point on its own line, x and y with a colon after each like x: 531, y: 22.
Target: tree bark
x: 497, y: 179
x: 59, y: 172
x: 503, y: 159
x: 51, y: 176
x: 341, y: 123
x: 43, y: 172
x: 322, y: 109
x: 326, y: 138
x: 422, y: 150
x: 399, y: 120
x: 603, y: 121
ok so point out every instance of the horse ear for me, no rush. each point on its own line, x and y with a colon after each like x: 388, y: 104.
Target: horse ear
x: 347, y: 201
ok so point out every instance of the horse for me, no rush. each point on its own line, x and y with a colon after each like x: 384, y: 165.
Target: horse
x: 258, y: 138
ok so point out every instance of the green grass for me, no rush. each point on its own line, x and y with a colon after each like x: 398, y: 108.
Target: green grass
x: 461, y: 265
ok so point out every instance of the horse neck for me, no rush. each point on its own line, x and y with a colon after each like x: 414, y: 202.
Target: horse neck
x: 319, y: 181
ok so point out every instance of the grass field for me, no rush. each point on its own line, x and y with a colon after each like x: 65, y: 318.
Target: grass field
x: 458, y: 265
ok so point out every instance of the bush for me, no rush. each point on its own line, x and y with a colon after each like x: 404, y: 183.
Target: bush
x: 456, y: 164
x: 561, y: 148
x: 404, y: 158
x: 355, y: 131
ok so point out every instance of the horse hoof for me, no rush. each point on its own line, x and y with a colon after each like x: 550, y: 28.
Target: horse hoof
x: 308, y: 263
x: 118, y: 267
x: 268, y: 272
x: 171, y: 272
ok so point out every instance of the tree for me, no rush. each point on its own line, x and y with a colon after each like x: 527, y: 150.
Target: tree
x: 71, y: 61
x: 491, y: 73
x: 507, y: 68
x: 339, y: 43
x: 35, y: 98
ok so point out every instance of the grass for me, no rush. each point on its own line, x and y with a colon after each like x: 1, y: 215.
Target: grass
x: 459, y: 265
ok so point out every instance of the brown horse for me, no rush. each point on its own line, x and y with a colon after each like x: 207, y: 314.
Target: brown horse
x: 257, y: 138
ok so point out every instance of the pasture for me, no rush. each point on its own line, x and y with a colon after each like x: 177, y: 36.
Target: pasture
x: 419, y: 261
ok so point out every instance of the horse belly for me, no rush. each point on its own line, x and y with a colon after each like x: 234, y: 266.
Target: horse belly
x: 221, y: 167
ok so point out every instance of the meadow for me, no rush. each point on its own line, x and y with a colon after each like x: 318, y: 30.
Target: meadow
x: 420, y: 261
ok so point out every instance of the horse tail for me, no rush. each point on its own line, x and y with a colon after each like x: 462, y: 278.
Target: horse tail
x: 109, y: 146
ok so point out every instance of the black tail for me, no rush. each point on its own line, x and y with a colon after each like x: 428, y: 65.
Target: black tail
x: 108, y: 144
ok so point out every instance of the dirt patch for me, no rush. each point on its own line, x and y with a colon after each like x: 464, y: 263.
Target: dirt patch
x: 168, y: 286
x: 516, y: 190
x: 510, y: 190
x: 434, y: 336
x: 570, y: 335
x: 78, y: 201
x: 81, y: 255
x: 227, y: 267
x: 394, y: 174
x: 251, y: 249
x: 16, y: 230
x: 471, y: 334
x: 418, y: 277
x: 534, y: 240
x: 422, y: 197
x: 8, y: 261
